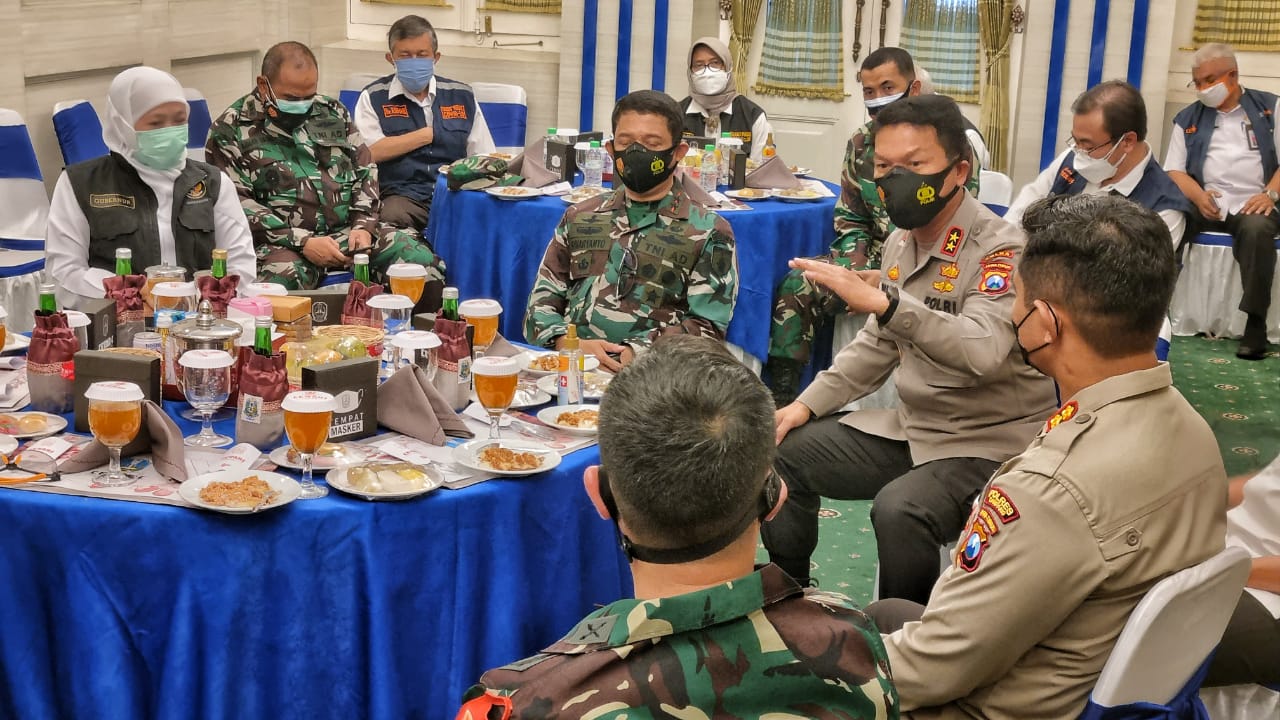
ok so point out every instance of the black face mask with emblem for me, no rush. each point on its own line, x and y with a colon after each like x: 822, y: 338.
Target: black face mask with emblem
x: 914, y: 200
x: 642, y: 169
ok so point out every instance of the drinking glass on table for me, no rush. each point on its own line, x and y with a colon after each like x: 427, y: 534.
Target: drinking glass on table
x: 115, y: 416
x: 407, y: 346
x: 483, y: 315
x: 495, y: 379
x: 206, y: 382
x: 407, y: 279
x: 307, y: 414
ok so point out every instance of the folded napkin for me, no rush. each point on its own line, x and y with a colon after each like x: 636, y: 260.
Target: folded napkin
x: 355, y: 309
x: 501, y: 347
x: 50, y: 367
x: 478, y: 172
x: 263, y: 385
x: 126, y: 290
x: 534, y: 173
x: 772, y: 174
x: 158, y: 433
x: 409, y: 404
x: 218, y: 291
x: 453, y: 361
x: 696, y: 193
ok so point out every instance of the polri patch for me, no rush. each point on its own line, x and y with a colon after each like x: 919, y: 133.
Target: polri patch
x: 1000, y: 503
x: 395, y: 111
x: 951, y: 245
x: 995, y: 280
x: 110, y: 200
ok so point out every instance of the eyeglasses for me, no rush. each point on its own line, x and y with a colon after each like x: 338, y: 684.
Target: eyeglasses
x: 31, y: 466
x: 1211, y: 80
x: 1073, y: 145
x: 714, y: 65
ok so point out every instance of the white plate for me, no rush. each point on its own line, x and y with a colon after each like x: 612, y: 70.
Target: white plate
x: 780, y: 195
x: 352, y: 455
x: 465, y: 454
x: 513, y: 192
x: 53, y: 424
x: 15, y: 341
x: 287, y: 488
x: 337, y: 479
x: 582, y: 194
x: 7, y: 445
x: 749, y: 195
x: 594, y: 390
x: 800, y: 171
x: 550, y: 415
x: 527, y: 396
x: 589, y: 362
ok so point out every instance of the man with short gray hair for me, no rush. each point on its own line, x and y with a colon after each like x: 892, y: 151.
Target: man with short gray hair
x: 415, y: 121
x: 1225, y: 155
x: 685, y: 436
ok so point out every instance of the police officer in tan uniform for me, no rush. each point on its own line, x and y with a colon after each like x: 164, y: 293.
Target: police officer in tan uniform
x: 941, y: 308
x: 1123, y: 485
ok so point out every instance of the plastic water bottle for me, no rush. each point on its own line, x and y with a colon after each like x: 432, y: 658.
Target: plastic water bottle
x: 593, y: 170
x: 710, y: 168
x: 551, y: 135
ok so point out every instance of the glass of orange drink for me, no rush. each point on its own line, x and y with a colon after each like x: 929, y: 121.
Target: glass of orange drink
x: 115, y: 416
x: 3, y: 336
x: 495, y: 381
x: 307, y: 414
x: 407, y: 279
x: 483, y: 315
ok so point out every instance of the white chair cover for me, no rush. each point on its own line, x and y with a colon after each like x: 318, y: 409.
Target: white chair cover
x: 198, y: 123
x: 1207, y: 297
x: 24, y: 214
x: 506, y: 112
x: 995, y: 188
x: 847, y: 327
x: 1240, y: 701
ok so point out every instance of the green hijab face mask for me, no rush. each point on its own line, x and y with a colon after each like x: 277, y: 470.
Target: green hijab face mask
x: 162, y: 148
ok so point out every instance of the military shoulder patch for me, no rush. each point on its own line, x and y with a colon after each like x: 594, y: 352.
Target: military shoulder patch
x: 997, y: 256
x: 998, y: 500
x: 995, y: 279
x: 995, y: 510
x: 1065, y: 413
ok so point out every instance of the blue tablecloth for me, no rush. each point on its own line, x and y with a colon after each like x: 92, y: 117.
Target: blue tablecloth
x: 493, y: 248
x: 330, y: 608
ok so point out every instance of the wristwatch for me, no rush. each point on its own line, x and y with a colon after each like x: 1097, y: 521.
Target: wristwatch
x: 1272, y: 195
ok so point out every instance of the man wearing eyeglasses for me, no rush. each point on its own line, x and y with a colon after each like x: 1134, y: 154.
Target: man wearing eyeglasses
x: 1107, y: 153
x: 642, y: 261
x: 306, y: 180
x: 1225, y: 155
x: 714, y: 105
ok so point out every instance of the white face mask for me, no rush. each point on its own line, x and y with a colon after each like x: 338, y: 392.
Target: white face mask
x: 1095, y: 170
x: 874, y: 104
x: 1214, y: 95
x: 710, y: 81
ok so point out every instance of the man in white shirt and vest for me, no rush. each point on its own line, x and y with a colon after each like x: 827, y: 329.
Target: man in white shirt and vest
x: 1223, y: 154
x: 415, y: 121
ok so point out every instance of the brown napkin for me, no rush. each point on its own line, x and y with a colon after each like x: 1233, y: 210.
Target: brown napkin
x: 126, y: 290
x: 409, y: 404
x: 695, y: 191
x: 52, y: 342
x: 773, y: 174
x: 263, y: 385
x: 501, y: 347
x: 355, y: 310
x: 159, y: 434
x: 218, y: 291
x: 526, y: 165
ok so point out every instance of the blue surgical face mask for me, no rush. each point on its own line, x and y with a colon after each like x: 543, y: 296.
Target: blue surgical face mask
x: 293, y: 113
x: 415, y: 73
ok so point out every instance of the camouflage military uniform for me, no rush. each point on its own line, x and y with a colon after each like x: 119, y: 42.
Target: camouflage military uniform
x: 628, y: 272
x: 745, y: 649
x: 316, y: 181
x: 861, y: 224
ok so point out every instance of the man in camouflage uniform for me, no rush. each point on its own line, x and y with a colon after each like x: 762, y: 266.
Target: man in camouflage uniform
x: 642, y: 261
x: 861, y: 226
x: 685, y: 435
x: 306, y: 180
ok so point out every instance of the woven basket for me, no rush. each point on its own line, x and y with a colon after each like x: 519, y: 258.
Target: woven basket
x: 371, y: 337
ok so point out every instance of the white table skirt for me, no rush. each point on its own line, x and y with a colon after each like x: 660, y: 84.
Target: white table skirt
x: 886, y: 396
x: 1240, y: 701
x: 20, y: 294
x: 1208, y: 294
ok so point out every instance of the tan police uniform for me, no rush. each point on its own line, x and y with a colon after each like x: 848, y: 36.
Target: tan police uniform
x: 1122, y: 487
x: 968, y: 403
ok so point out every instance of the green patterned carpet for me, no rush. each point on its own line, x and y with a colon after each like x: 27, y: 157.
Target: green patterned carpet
x: 1238, y: 398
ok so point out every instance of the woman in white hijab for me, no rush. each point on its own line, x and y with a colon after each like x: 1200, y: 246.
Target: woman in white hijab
x: 126, y: 199
x: 714, y: 105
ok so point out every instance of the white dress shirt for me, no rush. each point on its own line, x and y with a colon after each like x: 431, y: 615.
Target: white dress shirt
x: 1254, y: 525
x: 67, y: 239
x: 479, y: 141
x: 1230, y: 166
x: 1040, y: 187
x: 760, y: 129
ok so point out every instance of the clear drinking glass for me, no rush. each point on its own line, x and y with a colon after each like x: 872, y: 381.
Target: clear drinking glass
x: 307, y: 414
x: 407, y: 279
x: 115, y: 416
x: 206, y: 381
x: 495, y: 380
x: 407, y: 344
x: 483, y: 314
x: 393, y: 311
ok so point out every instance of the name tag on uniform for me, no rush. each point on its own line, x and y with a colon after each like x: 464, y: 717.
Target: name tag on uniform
x: 1248, y: 133
x: 110, y: 200
x: 328, y: 131
x: 453, y: 112
x: 395, y: 111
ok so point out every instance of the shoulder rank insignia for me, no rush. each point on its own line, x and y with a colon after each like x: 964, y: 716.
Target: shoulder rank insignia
x: 1065, y: 413
x: 951, y: 245
x: 486, y: 707
x: 893, y: 273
